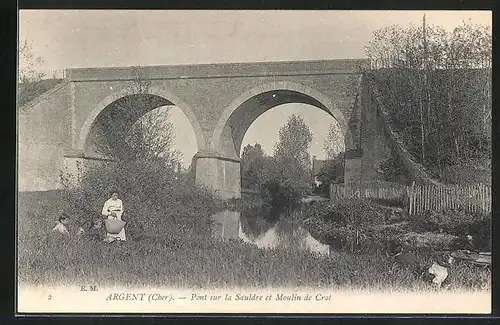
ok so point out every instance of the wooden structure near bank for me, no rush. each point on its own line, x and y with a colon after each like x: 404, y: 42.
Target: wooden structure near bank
x: 472, y: 198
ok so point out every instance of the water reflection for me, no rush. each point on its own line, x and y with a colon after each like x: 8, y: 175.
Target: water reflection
x: 284, y: 233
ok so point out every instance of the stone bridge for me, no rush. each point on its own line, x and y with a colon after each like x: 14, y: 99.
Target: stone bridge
x: 220, y: 100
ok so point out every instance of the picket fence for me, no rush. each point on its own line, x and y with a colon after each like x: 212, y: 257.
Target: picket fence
x: 473, y: 198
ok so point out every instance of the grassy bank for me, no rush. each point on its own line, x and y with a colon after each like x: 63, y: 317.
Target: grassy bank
x: 181, y: 257
x: 363, y: 227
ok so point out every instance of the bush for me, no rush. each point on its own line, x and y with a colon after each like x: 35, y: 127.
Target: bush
x: 451, y: 221
x: 349, y: 211
x: 346, y: 223
x: 467, y: 174
x: 332, y: 172
x: 456, y: 222
x: 151, y: 193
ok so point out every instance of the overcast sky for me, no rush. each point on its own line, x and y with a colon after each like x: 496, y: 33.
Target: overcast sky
x: 85, y: 38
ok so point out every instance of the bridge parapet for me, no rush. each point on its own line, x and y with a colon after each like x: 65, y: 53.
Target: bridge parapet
x: 221, y: 70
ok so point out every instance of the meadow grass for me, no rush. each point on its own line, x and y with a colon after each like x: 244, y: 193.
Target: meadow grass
x: 186, y: 258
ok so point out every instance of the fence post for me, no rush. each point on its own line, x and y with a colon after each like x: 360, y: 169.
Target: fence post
x: 469, y: 195
x: 431, y: 197
x: 441, y: 197
x: 426, y: 197
x: 412, y: 199
x: 417, y: 199
x: 483, y: 197
x: 421, y: 198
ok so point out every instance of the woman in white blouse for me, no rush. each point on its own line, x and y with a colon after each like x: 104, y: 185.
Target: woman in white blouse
x: 113, y: 209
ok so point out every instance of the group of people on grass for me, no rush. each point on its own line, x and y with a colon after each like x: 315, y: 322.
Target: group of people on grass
x: 112, y: 210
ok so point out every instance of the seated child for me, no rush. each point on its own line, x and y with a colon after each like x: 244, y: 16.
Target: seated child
x: 61, y: 224
x: 96, y: 231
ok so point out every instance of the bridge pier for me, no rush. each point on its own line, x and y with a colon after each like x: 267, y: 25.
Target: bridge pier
x: 353, y: 166
x: 219, y: 173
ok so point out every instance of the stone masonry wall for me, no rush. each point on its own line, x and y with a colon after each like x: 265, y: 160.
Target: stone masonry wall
x: 43, y: 135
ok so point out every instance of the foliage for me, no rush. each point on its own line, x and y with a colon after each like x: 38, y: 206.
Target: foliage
x: 29, y: 66
x: 456, y: 222
x: 294, y: 140
x: 283, y: 183
x: 252, y: 161
x: 152, y: 137
x: 334, y: 142
x: 346, y: 223
x: 136, y: 126
x: 153, y: 194
x: 31, y: 80
x: 436, y: 86
x: 426, y: 46
x: 393, y: 170
x: 332, y: 172
x: 286, y: 177
x: 468, y: 173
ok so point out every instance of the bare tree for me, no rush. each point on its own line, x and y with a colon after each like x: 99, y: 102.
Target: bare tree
x: 29, y: 75
x: 137, y: 126
x: 29, y: 65
x: 437, y: 87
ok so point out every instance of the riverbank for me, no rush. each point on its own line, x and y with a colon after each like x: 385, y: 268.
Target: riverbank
x: 180, y: 257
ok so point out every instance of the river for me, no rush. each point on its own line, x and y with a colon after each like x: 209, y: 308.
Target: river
x: 264, y: 231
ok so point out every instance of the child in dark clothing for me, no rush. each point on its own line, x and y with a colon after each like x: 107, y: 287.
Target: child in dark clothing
x: 96, y: 232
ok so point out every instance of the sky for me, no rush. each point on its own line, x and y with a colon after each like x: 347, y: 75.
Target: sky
x: 104, y: 38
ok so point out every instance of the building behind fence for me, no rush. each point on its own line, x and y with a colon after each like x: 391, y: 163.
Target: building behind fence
x: 473, y: 198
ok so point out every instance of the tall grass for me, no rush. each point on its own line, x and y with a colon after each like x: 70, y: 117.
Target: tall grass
x: 183, y: 257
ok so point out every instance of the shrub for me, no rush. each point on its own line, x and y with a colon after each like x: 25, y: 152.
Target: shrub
x: 332, y: 172
x: 346, y: 223
x: 456, y: 222
x: 453, y: 221
x: 481, y: 230
x: 151, y: 193
x: 349, y: 211
x: 282, y: 183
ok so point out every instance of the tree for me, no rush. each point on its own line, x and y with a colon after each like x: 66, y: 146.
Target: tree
x: 287, y: 176
x: 294, y: 140
x: 436, y: 86
x: 252, y: 160
x: 137, y: 126
x: 29, y: 65
x: 334, y: 142
x: 332, y: 172
x: 152, y: 137
x: 30, y: 76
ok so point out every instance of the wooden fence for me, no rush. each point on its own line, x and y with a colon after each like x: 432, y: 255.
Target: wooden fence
x: 372, y: 190
x: 473, y: 198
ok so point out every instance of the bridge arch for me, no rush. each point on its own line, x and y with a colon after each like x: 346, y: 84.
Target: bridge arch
x: 168, y: 99
x: 239, y: 115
